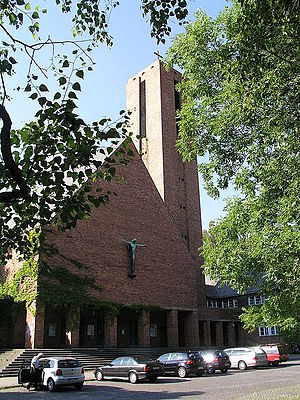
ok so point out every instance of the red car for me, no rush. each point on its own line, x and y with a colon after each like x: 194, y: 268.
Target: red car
x: 276, y: 353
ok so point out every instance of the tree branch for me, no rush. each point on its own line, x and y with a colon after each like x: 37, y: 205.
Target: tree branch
x: 9, y: 162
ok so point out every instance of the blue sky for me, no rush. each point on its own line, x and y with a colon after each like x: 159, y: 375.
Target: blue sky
x: 103, y: 90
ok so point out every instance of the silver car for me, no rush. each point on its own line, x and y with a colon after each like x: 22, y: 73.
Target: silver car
x: 244, y: 357
x: 61, y: 371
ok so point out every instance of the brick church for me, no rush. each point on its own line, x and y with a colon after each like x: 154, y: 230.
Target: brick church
x: 142, y: 248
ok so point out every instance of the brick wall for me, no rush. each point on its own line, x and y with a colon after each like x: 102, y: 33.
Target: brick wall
x: 165, y: 270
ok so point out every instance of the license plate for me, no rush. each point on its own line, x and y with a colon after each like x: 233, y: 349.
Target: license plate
x: 155, y: 368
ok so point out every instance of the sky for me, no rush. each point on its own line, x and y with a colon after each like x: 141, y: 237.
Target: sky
x: 104, y: 89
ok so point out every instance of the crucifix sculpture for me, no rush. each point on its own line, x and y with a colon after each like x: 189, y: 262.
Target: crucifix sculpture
x: 132, y: 245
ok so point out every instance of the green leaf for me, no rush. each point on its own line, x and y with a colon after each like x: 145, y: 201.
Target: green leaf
x: 57, y: 96
x: 27, y: 7
x: 76, y: 86
x: 12, y: 60
x: 33, y: 96
x: 35, y: 15
x: 80, y: 74
x: 62, y: 80
x: 42, y: 101
x: 72, y: 95
x: 43, y: 88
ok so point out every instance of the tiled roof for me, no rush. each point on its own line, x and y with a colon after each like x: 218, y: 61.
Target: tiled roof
x: 217, y: 291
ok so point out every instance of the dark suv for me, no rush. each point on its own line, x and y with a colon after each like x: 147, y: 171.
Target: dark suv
x: 182, y: 364
x: 215, y: 360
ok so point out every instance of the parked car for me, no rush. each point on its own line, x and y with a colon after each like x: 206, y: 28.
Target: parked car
x: 56, y: 371
x: 215, y: 360
x: 244, y: 357
x: 182, y: 364
x: 133, y: 368
x: 276, y: 353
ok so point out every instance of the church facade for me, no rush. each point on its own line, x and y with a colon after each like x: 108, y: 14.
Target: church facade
x: 142, y: 247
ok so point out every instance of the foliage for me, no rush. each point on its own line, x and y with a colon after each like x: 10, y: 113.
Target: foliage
x: 49, y: 164
x: 23, y: 285
x: 241, y: 110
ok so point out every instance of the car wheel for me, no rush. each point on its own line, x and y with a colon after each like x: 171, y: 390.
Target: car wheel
x: 181, y: 372
x: 224, y: 370
x: 199, y: 373
x: 210, y: 370
x: 133, y: 378
x: 79, y: 386
x: 153, y: 379
x: 275, y: 363
x: 51, y: 385
x: 242, y: 365
x: 99, y: 375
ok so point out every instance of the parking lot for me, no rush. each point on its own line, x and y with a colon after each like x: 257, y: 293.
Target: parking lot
x: 265, y: 383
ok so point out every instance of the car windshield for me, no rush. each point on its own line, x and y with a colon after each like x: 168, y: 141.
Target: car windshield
x: 69, y: 364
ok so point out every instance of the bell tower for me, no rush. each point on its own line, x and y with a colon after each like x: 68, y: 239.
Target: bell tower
x: 153, y: 100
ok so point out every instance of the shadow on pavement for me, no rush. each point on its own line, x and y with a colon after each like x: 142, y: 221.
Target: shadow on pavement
x: 98, y: 391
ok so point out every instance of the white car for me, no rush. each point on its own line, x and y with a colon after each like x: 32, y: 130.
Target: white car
x: 244, y: 357
x: 57, y: 371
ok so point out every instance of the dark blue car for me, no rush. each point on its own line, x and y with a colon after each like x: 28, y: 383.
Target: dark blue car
x: 182, y: 364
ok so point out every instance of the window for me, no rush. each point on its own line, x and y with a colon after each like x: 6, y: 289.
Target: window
x: 153, y: 330
x: 224, y: 303
x: 273, y: 330
x: 177, y: 96
x: 142, y: 109
x: 230, y: 303
x: 52, y: 329
x: 255, y: 300
x: 68, y: 364
x: 268, y: 330
x: 164, y: 357
x: 211, y: 303
x: 117, y: 361
x: 177, y: 105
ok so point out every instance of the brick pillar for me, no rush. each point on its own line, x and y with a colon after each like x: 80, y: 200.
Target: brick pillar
x: 34, y: 334
x: 231, y: 337
x: 143, y: 329
x: 30, y: 330
x: 219, y: 334
x: 110, y: 332
x: 241, y: 334
x: 207, y: 334
x: 18, y: 339
x: 72, y: 330
x: 75, y: 337
x: 172, y: 328
x: 191, y: 329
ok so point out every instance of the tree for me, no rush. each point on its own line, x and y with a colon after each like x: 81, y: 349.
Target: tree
x: 241, y: 108
x: 49, y: 164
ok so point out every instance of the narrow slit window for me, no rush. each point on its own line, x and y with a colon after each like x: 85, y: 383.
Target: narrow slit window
x: 142, y: 109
